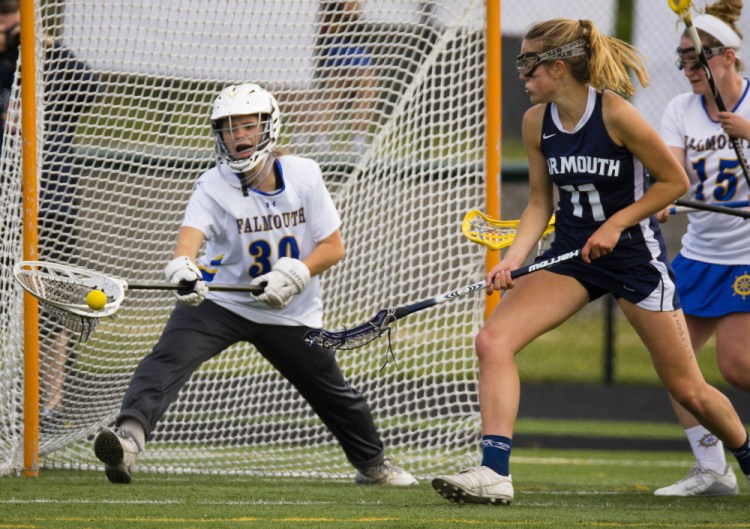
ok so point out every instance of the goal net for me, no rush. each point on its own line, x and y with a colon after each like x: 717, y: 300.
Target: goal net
x: 389, y: 101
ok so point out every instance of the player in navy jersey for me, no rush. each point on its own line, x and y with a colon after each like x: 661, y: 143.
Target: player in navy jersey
x: 713, y: 266
x: 266, y: 218
x: 595, y: 148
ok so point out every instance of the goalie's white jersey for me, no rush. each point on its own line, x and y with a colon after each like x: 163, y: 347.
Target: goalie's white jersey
x: 247, y: 231
x: 715, y: 177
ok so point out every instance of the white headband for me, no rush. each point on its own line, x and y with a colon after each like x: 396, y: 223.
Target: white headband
x: 718, y: 29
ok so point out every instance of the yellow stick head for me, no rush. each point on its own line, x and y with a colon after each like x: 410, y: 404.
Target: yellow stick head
x: 681, y: 7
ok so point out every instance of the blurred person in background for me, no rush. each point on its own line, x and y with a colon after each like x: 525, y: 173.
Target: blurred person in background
x: 70, y: 88
x: 344, y: 80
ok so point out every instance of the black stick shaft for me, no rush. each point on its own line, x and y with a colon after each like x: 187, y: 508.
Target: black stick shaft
x: 736, y: 144
x: 713, y: 207
x: 254, y: 289
x: 400, y: 312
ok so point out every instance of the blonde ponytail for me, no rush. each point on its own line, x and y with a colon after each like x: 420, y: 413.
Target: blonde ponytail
x: 608, y: 60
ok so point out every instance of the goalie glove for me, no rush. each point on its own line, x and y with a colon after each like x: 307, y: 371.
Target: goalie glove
x: 287, y: 278
x: 183, y: 271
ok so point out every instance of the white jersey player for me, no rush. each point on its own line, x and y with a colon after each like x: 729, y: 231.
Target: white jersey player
x: 713, y: 266
x: 266, y: 219
x: 265, y: 227
x: 715, y: 175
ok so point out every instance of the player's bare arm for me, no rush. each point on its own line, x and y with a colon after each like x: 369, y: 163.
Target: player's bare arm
x: 628, y: 128
x: 327, y: 253
x: 189, y: 242
x: 541, y: 198
x: 679, y: 154
x: 540, y: 206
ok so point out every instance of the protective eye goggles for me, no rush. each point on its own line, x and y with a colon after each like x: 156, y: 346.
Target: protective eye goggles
x: 526, y: 63
x: 688, y: 58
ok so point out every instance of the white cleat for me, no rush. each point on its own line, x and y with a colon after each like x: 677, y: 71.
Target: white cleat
x: 117, y: 453
x: 702, y: 482
x: 475, y: 485
x: 385, y: 473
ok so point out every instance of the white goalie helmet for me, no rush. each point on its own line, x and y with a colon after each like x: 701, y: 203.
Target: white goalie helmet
x: 243, y: 100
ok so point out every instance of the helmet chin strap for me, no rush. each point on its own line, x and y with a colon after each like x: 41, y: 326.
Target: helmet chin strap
x: 258, y: 175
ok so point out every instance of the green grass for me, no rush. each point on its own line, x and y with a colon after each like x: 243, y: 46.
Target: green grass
x: 554, y: 489
x: 593, y: 428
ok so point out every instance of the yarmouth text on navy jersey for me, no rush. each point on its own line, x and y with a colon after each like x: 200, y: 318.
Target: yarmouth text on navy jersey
x: 584, y: 165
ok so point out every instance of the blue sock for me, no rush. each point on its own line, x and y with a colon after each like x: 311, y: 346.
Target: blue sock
x: 743, y: 456
x: 496, y: 453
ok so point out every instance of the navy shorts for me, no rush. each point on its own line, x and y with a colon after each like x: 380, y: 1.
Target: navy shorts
x: 712, y: 290
x: 650, y: 286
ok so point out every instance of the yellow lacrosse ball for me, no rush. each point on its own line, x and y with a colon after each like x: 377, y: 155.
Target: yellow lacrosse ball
x: 96, y: 299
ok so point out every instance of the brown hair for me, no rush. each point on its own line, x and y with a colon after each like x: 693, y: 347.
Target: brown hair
x: 728, y: 11
x: 9, y: 6
x: 608, y: 59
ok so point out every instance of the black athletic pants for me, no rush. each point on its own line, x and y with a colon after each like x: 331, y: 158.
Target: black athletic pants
x: 194, y: 335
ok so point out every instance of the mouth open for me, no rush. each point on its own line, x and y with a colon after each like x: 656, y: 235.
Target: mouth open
x: 244, y: 150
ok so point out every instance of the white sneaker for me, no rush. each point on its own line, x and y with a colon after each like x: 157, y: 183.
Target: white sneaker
x: 117, y: 453
x: 702, y: 482
x: 475, y: 485
x: 385, y: 473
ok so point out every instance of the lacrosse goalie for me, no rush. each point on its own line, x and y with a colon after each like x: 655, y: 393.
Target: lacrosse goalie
x: 266, y: 219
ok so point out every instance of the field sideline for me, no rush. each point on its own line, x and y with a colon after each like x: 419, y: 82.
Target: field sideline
x: 554, y: 489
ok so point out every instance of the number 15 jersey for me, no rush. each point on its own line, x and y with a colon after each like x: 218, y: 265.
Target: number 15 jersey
x: 715, y: 176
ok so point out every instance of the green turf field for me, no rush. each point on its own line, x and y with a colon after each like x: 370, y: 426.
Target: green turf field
x: 554, y: 489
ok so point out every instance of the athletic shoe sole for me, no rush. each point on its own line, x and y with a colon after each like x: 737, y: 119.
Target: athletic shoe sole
x: 451, y: 492
x: 109, y: 451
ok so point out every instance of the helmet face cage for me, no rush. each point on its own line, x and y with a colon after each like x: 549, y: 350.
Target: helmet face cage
x: 244, y: 100
x: 235, y: 134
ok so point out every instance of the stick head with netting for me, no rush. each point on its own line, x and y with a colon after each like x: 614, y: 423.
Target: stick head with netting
x: 681, y: 7
x: 497, y: 234
x: 354, y: 337
x: 62, y: 289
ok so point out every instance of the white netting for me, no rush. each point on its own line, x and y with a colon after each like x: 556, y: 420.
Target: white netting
x: 399, y: 136
x: 403, y: 157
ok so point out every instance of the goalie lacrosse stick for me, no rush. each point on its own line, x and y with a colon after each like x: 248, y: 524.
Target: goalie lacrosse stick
x: 62, y: 289
x: 495, y: 234
x: 682, y: 8
x: 380, y: 323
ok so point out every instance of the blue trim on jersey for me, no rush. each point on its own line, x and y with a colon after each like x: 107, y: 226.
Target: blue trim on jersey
x: 742, y: 97
x: 710, y: 290
x: 736, y: 106
x: 277, y: 166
